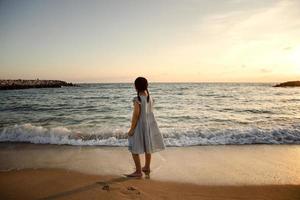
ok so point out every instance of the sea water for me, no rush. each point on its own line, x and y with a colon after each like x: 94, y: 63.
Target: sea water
x: 187, y: 114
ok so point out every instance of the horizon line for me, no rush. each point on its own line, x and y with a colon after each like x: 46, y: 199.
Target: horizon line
x: 175, y: 82
x: 81, y: 82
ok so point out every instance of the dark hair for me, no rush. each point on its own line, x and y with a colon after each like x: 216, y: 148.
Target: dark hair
x: 141, y: 84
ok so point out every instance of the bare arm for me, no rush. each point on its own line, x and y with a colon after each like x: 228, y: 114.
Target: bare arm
x: 135, y: 117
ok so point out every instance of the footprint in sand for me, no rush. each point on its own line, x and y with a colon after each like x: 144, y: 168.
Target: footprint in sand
x: 131, y: 190
x: 106, y: 187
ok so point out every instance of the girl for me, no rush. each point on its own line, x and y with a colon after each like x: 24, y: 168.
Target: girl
x: 144, y: 135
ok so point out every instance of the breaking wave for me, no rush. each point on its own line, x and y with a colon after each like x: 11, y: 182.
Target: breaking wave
x: 62, y: 135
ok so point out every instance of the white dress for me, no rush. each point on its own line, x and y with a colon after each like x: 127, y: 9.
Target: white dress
x: 147, y: 137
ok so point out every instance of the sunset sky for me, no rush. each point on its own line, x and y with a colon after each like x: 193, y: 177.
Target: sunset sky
x: 165, y: 41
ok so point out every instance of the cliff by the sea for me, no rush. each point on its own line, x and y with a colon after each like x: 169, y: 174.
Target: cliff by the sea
x: 24, y: 84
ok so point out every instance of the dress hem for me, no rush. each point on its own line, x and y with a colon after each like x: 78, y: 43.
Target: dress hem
x: 154, y: 151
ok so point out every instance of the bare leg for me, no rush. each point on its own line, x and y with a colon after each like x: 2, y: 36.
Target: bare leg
x: 137, y: 162
x: 147, y: 162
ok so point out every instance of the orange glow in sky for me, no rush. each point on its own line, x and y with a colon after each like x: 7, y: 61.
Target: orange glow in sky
x: 166, y: 41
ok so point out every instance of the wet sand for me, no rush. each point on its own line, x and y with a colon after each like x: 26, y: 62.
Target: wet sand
x: 30, y: 171
x: 65, y: 184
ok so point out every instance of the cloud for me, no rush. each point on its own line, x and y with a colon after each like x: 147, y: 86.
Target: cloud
x: 265, y: 70
x: 254, y: 36
x: 257, y: 24
x: 287, y: 48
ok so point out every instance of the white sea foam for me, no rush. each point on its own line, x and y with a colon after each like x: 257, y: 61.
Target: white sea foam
x: 187, y: 113
x: 63, y: 135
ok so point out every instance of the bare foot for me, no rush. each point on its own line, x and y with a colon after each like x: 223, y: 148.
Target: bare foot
x: 135, y: 174
x: 146, y: 169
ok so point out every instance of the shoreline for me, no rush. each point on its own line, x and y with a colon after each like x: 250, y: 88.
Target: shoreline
x: 44, y: 171
x: 202, y: 165
x: 168, y: 146
x: 67, y: 184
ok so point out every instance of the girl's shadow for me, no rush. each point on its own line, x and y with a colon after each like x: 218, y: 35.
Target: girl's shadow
x: 104, y: 184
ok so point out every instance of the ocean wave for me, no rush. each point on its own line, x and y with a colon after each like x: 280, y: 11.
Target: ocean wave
x: 62, y: 135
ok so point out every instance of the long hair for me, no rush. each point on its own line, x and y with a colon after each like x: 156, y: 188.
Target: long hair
x: 141, y: 84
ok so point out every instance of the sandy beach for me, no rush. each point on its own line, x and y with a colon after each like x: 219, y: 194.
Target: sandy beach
x: 30, y: 171
x: 211, y: 89
x: 65, y: 184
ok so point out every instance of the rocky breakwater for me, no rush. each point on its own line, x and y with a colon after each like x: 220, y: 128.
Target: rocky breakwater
x: 288, y: 84
x: 24, y: 84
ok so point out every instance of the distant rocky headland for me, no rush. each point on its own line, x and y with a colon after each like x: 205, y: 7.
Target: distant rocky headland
x: 288, y: 84
x: 25, y: 84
